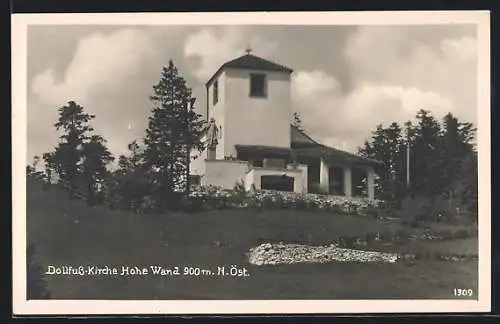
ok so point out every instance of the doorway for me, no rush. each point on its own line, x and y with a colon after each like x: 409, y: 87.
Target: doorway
x: 277, y: 182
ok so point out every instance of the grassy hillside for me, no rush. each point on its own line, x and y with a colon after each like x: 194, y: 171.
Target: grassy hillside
x: 67, y: 233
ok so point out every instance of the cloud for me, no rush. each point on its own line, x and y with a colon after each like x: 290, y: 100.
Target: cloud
x: 110, y: 75
x: 345, y: 120
x: 317, y: 81
x: 395, y: 72
x: 213, y: 47
x: 101, y: 62
x: 347, y: 80
x: 462, y: 49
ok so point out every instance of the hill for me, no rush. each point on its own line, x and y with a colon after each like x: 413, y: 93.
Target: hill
x: 68, y: 233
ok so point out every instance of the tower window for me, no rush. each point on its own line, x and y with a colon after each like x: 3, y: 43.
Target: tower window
x: 216, y: 92
x: 258, y: 85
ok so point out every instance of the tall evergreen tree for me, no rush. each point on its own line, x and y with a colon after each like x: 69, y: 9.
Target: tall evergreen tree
x: 96, y: 157
x: 386, y: 146
x: 441, y: 159
x: 80, y: 157
x: 74, y: 123
x: 130, y: 183
x: 427, y: 176
x: 174, y: 129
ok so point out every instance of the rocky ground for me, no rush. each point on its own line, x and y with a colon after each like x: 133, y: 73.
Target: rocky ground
x: 268, y: 253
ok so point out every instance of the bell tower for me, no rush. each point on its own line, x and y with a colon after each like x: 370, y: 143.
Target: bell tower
x: 249, y: 99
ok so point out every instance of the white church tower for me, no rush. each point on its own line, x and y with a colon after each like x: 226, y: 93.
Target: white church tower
x: 249, y: 98
x: 251, y: 140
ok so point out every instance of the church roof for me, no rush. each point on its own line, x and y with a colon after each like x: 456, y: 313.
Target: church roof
x: 299, y: 138
x: 304, y: 146
x: 250, y: 62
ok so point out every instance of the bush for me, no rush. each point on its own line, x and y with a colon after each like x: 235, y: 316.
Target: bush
x: 36, y: 284
x: 216, y: 197
x: 415, y: 211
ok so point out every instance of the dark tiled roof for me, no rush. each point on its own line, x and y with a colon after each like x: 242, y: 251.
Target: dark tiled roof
x: 305, y: 146
x: 250, y: 62
x: 300, y: 138
x: 331, y: 155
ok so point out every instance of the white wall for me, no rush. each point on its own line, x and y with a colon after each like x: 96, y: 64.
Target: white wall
x: 256, y: 121
x: 218, y: 110
x: 224, y: 173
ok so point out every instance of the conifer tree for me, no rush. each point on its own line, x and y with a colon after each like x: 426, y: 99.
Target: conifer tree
x: 74, y: 123
x: 96, y: 157
x: 174, y: 129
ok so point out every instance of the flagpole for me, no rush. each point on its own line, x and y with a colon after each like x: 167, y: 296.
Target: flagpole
x: 408, y: 165
x: 408, y: 162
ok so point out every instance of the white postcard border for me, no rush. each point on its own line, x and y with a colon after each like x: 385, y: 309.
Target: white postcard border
x: 87, y: 307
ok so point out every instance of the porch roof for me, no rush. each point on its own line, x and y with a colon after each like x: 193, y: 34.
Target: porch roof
x: 309, y: 150
x: 331, y: 155
x: 305, y: 146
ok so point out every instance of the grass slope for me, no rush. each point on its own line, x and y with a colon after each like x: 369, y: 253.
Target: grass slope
x: 68, y: 233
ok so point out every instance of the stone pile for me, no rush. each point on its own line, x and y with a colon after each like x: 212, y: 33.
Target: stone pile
x: 273, y: 254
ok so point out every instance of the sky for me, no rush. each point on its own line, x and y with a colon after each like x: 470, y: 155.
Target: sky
x: 346, y: 80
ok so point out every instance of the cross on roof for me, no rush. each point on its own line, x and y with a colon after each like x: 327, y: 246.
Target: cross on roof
x: 248, y: 50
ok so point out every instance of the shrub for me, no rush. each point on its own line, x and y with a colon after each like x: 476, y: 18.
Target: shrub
x: 415, y: 211
x: 216, y: 197
x: 300, y: 204
x: 36, y: 284
x: 266, y: 202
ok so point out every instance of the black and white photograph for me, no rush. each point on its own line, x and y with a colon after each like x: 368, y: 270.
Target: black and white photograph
x: 251, y: 162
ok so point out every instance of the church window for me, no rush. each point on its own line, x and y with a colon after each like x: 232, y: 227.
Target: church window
x: 216, y: 92
x: 258, y: 85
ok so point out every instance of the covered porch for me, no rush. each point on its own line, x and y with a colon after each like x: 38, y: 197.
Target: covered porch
x: 311, y: 167
x: 335, y: 172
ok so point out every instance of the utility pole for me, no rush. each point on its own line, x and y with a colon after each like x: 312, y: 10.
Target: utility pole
x: 189, y: 108
x: 408, y: 165
x: 408, y: 158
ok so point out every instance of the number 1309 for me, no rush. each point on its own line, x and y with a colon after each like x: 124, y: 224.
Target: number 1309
x: 463, y: 292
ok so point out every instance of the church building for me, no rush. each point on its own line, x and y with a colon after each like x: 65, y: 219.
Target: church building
x: 250, y: 138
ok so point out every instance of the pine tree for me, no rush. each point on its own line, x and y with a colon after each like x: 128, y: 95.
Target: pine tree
x: 386, y: 146
x: 75, y: 125
x: 427, y: 175
x: 174, y: 129
x: 130, y: 183
x: 96, y: 157
x: 80, y: 157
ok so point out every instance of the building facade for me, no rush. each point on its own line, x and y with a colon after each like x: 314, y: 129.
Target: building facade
x: 250, y: 139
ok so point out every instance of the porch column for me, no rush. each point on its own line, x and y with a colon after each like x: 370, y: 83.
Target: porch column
x: 347, y: 182
x: 323, y: 176
x: 370, y: 177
